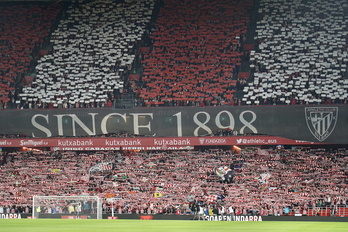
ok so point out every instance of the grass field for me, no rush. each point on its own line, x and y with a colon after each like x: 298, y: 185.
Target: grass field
x: 62, y: 225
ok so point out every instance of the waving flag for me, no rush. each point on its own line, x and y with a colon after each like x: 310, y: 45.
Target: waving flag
x: 222, y: 171
x: 211, y: 199
x: 225, y: 173
x: 100, y: 167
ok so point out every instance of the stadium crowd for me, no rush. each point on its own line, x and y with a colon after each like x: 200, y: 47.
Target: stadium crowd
x: 302, y: 53
x: 195, y: 53
x: 24, y: 30
x: 87, y: 58
x: 265, y: 180
x: 195, y: 56
x: 144, y: 50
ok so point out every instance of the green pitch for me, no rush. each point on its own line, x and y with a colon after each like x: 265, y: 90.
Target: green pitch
x: 66, y: 225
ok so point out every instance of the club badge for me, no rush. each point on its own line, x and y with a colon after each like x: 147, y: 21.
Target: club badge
x: 321, y: 121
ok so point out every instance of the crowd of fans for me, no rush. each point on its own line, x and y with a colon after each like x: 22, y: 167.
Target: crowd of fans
x: 302, y: 53
x: 197, y: 50
x: 24, y: 29
x: 195, y: 53
x: 86, y: 58
x: 265, y: 180
x: 94, y: 48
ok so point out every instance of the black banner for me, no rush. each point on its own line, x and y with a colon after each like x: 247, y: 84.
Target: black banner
x: 322, y: 123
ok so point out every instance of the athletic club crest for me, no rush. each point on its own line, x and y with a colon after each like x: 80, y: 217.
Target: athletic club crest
x: 321, y: 121
x: 201, y: 141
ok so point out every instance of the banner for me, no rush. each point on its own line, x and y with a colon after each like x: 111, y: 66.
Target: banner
x: 10, y: 216
x: 145, y: 143
x: 319, y: 124
x: 232, y: 218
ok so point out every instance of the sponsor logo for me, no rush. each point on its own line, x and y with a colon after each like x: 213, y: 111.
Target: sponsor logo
x: 124, y: 142
x: 5, y: 143
x: 321, y: 121
x: 233, y: 218
x: 10, y: 216
x: 75, y: 142
x: 32, y: 143
x: 203, y: 141
x: 215, y: 141
x: 171, y: 142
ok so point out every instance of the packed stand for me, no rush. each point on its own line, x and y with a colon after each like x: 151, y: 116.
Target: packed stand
x: 48, y: 173
x: 93, y: 49
x: 302, y: 53
x: 24, y: 28
x: 265, y: 181
x: 196, y: 50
